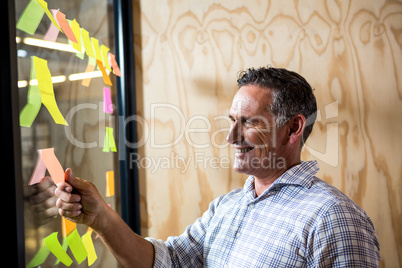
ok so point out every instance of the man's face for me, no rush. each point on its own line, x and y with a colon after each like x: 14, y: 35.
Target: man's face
x: 253, y: 132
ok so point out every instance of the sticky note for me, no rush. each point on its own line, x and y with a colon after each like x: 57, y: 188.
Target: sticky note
x: 30, y: 17
x: 106, y: 78
x: 39, y: 171
x: 75, y: 27
x: 89, y: 246
x: 61, y: 18
x: 43, y: 4
x: 77, y: 246
x: 108, y: 142
x: 54, y: 246
x: 52, y: 32
x: 64, y: 246
x: 109, y: 183
x: 95, y: 45
x: 90, y: 68
x: 87, y: 43
x: 34, y: 102
x: 113, y: 62
x: 40, y: 256
x: 46, y: 89
x: 105, y: 51
x: 53, y: 165
x: 107, y: 101
x: 67, y: 226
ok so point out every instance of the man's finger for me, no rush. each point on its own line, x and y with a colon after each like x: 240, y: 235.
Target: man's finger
x: 68, y: 206
x: 66, y: 196
x: 71, y: 214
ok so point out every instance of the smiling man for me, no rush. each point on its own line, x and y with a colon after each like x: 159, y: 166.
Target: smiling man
x: 284, y: 216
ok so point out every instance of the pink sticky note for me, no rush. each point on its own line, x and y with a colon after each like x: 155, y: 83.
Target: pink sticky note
x: 107, y: 101
x: 52, y: 31
x: 113, y: 62
x: 39, y: 171
x: 53, y: 165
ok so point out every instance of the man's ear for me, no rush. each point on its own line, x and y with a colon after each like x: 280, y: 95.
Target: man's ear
x: 296, y: 128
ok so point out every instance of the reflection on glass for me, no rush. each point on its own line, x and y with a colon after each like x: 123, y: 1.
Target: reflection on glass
x: 79, y: 95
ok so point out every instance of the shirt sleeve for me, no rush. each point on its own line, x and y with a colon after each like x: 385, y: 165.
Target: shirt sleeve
x: 344, y: 237
x: 185, y: 250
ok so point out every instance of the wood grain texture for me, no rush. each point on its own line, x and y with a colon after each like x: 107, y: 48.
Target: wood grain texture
x: 188, y: 54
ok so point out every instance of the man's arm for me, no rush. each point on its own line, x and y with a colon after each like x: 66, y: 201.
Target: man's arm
x: 343, y: 237
x: 80, y: 201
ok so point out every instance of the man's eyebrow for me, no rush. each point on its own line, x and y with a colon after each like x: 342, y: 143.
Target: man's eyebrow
x: 241, y: 118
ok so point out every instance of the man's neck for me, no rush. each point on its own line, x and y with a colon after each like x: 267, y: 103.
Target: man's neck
x: 263, y: 183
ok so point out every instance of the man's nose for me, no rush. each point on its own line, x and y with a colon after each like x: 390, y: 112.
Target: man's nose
x: 235, y: 134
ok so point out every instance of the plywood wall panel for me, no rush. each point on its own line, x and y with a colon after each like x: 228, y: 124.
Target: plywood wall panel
x: 188, y: 55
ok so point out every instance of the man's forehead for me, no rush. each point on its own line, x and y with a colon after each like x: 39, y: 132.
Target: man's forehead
x: 251, y: 100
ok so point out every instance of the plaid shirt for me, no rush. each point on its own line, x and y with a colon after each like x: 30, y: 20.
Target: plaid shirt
x: 300, y: 221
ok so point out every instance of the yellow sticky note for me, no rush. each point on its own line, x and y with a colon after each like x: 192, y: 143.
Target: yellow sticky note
x: 110, y: 183
x: 43, y: 4
x: 87, y: 43
x: 75, y: 27
x: 89, y: 246
x: 95, y: 45
x: 54, y: 246
x: 105, y: 50
x: 46, y: 89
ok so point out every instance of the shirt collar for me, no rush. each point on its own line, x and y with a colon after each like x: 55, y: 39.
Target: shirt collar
x: 301, y: 174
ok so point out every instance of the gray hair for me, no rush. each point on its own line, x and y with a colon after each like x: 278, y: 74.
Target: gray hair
x: 291, y: 94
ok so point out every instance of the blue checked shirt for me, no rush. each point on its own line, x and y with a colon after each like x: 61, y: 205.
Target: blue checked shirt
x: 299, y: 221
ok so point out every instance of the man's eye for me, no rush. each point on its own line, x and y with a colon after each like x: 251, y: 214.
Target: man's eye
x: 249, y: 123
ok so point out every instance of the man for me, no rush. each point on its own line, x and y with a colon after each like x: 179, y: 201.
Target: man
x: 283, y: 217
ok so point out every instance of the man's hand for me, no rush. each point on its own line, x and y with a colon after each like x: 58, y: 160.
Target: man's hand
x: 42, y: 199
x: 79, y: 201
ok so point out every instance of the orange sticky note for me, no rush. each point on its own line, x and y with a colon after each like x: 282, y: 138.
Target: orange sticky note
x: 90, y: 68
x: 105, y: 51
x: 109, y: 183
x: 106, y: 78
x: 61, y: 19
x: 53, y: 165
x: 67, y: 226
x: 113, y: 62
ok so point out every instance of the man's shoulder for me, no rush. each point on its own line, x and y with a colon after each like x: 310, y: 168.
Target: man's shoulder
x: 331, y: 198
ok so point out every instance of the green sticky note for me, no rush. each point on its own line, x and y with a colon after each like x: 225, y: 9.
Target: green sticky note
x: 109, y: 142
x: 64, y: 245
x: 39, y: 257
x: 89, y: 246
x: 77, y: 246
x: 30, y: 17
x: 34, y: 102
x: 54, y: 246
x: 112, y: 143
